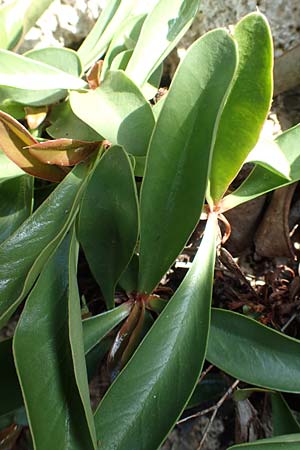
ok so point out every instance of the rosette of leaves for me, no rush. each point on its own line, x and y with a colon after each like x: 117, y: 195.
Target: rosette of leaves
x: 133, y: 179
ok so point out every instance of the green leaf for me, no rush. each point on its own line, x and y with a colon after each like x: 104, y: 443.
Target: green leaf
x: 8, y: 169
x: 121, y: 60
x: 13, y: 109
x: 24, y: 254
x: 64, y: 124
x: 261, y: 356
x: 143, y: 403
x: 95, y: 357
x: 164, y: 27
x: 25, y: 73
x: 51, y: 368
x: 261, y: 180
x: 17, y: 417
x: 247, y: 105
x: 63, y: 59
x: 17, y: 17
x: 286, y: 442
x: 179, y: 153
x: 16, y: 196
x: 10, y: 392
x: 211, y: 388
x: 158, y: 107
x: 109, y: 223
x: 96, y: 328
x: 268, y: 154
x: 27, y: 81
x: 129, y: 278
x: 244, y: 394
x: 125, y: 39
x: 109, y: 22
x: 118, y: 111
x: 151, y: 87
x: 283, y: 419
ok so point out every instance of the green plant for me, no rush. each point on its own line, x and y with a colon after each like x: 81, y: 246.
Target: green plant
x: 187, y: 147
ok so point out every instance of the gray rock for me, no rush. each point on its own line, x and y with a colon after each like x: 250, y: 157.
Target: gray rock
x: 67, y: 22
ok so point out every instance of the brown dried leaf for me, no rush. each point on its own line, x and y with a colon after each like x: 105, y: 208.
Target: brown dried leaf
x: 93, y: 76
x: 35, y: 115
x: 63, y: 152
x: 13, y: 138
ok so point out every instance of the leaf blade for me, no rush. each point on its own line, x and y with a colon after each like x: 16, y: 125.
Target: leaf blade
x: 95, y: 328
x: 262, y: 356
x: 261, y: 180
x: 16, y: 204
x: 97, y: 41
x: 147, y: 375
x: 286, y: 442
x: 248, y: 103
x: 162, y: 29
x: 55, y: 312
x: 118, y: 111
x: 24, y: 253
x: 109, y: 221
x: 179, y: 153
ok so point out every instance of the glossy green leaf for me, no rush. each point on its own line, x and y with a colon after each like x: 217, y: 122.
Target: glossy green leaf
x: 53, y: 379
x: 247, y: 105
x: 31, y: 82
x: 211, y: 388
x: 267, y: 153
x: 121, y: 60
x: 109, y: 22
x: 8, y: 169
x: 10, y: 392
x: 25, y: 73
x: 13, y: 109
x: 129, y: 278
x: 261, y: 356
x: 17, y: 17
x: 244, y: 394
x: 283, y: 419
x: 118, y: 111
x: 24, y: 254
x: 286, y: 442
x: 96, y: 328
x: 163, y: 28
x: 17, y: 416
x: 65, y: 124
x: 143, y: 403
x: 150, y: 88
x: 158, y: 107
x: 261, y: 180
x: 125, y: 39
x: 16, y: 197
x: 95, y: 356
x: 179, y: 153
x: 108, y: 223
x: 63, y: 59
